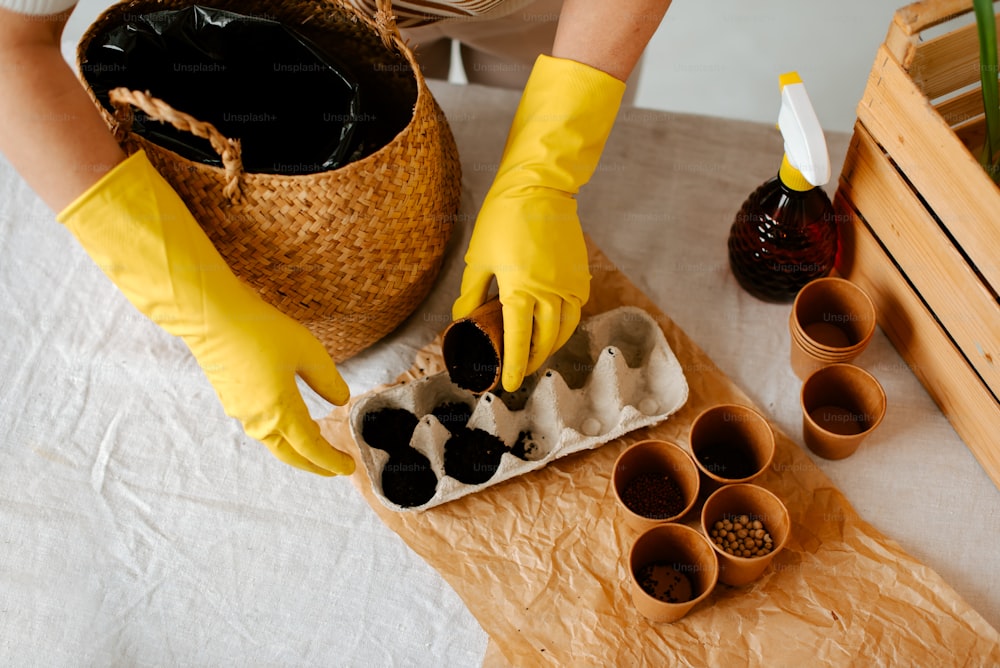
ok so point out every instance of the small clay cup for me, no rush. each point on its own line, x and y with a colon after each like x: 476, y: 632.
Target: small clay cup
x: 662, y: 458
x: 685, y: 550
x: 803, y: 358
x: 726, y: 436
x: 832, y: 320
x: 841, y: 405
x: 472, y: 348
x: 758, y: 503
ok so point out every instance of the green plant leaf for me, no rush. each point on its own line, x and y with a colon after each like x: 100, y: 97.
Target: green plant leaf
x: 986, y: 25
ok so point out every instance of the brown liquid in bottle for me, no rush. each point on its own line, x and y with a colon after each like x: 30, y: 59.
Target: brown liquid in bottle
x: 782, y: 239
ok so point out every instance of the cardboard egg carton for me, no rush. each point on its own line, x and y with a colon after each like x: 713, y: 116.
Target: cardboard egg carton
x: 616, y: 374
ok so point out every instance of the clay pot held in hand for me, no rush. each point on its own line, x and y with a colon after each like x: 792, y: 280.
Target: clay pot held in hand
x: 472, y: 348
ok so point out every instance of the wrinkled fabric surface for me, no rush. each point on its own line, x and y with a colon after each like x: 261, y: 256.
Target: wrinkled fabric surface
x: 139, y: 526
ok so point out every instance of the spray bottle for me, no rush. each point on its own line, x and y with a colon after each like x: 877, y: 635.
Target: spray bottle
x: 785, y: 234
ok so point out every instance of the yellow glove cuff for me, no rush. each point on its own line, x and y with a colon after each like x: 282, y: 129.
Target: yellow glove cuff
x: 106, y: 186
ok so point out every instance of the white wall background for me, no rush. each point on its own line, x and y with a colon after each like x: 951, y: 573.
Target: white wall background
x: 723, y: 58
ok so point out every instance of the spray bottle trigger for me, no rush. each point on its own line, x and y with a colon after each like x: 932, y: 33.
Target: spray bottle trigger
x: 805, y: 143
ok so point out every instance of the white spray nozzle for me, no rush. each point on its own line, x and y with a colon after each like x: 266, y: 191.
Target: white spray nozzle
x: 805, y: 144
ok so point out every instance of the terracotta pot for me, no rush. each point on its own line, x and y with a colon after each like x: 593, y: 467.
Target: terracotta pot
x: 660, y: 458
x: 832, y: 320
x: 841, y: 405
x: 675, y: 553
x: 472, y: 348
x: 725, y: 435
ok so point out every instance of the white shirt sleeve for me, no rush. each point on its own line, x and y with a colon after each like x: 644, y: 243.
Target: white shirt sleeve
x: 37, y: 7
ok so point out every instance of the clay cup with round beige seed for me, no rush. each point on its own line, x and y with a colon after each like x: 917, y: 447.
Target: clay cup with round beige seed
x: 747, y: 526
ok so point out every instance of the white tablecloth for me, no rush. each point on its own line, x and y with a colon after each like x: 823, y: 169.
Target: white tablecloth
x: 139, y: 526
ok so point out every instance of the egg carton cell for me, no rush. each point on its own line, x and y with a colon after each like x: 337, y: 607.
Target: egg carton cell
x: 427, y: 442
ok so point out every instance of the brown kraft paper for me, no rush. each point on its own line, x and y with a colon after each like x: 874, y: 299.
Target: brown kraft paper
x: 541, y: 560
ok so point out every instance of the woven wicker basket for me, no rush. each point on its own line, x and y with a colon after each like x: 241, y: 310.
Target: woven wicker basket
x: 349, y: 252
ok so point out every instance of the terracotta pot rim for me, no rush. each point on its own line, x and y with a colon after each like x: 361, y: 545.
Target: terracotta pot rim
x: 636, y: 518
x: 778, y: 545
x: 757, y: 416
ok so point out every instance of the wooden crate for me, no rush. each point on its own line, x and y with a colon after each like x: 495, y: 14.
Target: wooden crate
x: 921, y: 218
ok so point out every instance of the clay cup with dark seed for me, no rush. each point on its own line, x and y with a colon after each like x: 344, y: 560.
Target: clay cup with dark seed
x: 654, y: 482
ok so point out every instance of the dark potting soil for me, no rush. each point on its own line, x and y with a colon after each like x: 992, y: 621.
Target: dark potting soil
x: 472, y: 456
x: 665, y: 582
x: 454, y: 415
x: 407, y: 479
x: 471, y: 361
x: 389, y: 429
x: 523, y: 447
x: 727, y: 461
x: 653, y: 495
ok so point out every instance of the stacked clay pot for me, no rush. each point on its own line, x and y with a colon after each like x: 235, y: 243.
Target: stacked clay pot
x: 832, y: 321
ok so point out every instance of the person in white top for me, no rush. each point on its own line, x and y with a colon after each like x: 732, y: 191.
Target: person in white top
x: 527, y: 237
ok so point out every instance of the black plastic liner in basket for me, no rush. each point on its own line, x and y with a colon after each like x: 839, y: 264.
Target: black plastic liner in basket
x: 296, y: 108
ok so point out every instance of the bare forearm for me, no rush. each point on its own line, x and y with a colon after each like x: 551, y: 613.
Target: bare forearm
x: 609, y: 36
x: 51, y: 131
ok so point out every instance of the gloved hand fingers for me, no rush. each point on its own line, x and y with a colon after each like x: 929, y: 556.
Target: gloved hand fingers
x: 473, y: 293
x: 302, y: 432
x: 568, y: 322
x: 518, y: 319
x: 289, y: 432
x: 544, y: 331
x: 320, y: 373
x: 284, y: 451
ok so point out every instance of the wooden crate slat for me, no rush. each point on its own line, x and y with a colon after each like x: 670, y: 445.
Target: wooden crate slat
x: 920, y: 218
x: 947, y: 63
x: 900, y: 44
x: 903, y: 38
x: 962, y: 108
x: 966, y: 307
x: 972, y: 410
x: 902, y: 120
x: 973, y: 134
x: 919, y: 16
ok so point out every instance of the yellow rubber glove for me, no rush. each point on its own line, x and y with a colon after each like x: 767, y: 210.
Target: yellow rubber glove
x: 528, y: 233
x: 140, y: 233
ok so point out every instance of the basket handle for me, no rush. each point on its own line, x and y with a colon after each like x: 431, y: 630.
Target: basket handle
x: 385, y: 23
x: 123, y: 99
